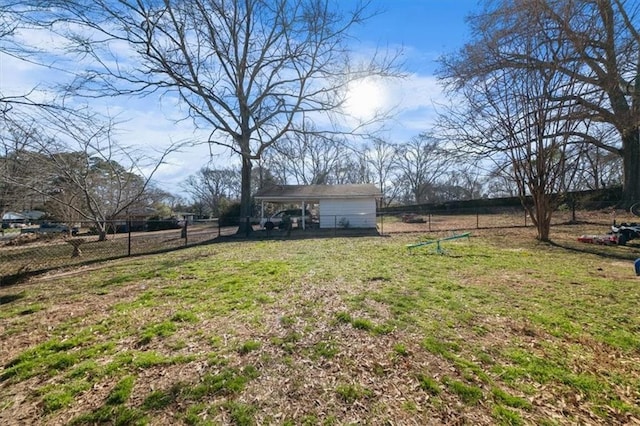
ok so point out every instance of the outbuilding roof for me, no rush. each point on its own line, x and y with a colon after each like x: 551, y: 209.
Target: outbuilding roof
x: 314, y: 193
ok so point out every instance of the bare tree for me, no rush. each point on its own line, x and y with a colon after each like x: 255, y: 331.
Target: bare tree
x: 57, y: 150
x: 13, y: 161
x: 515, y: 119
x: 79, y: 168
x: 422, y: 162
x: 246, y: 70
x: 307, y: 157
x: 382, y: 157
x: 213, y: 188
x: 598, y: 168
x: 352, y: 168
x: 463, y: 180
x: 501, y: 181
x: 593, y: 43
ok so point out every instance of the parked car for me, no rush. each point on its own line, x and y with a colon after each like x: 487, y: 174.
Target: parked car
x: 54, y: 228
x: 295, y: 215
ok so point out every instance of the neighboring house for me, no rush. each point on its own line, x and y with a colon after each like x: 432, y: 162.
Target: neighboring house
x: 11, y: 219
x: 352, y: 206
x: 27, y: 217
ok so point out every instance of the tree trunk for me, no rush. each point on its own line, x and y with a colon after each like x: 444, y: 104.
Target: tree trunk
x: 102, y: 232
x: 544, y: 212
x: 245, y: 197
x: 540, y: 212
x: 631, y: 166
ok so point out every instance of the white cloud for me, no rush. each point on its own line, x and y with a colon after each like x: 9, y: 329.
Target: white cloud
x: 416, y: 92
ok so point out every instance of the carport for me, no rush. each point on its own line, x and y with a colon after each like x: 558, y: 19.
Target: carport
x: 287, y: 194
x: 356, y: 200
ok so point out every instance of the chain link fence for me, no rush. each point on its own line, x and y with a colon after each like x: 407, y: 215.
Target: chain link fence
x: 26, y: 250
x: 32, y: 249
x: 483, y: 218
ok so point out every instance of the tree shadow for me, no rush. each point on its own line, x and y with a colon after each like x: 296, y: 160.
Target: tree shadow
x: 24, y: 275
x: 600, y: 250
x: 299, y: 234
x: 8, y: 298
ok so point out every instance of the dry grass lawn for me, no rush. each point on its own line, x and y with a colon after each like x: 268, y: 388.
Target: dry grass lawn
x: 499, y: 329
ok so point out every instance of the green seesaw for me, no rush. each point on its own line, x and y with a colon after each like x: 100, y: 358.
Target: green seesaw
x: 437, y: 242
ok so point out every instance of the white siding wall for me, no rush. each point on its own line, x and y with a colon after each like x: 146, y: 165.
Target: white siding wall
x: 359, y: 213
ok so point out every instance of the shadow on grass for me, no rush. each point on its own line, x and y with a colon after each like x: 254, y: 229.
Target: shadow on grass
x: 299, y: 234
x: 599, y: 250
x: 257, y: 235
x: 8, y: 298
x: 24, y: 275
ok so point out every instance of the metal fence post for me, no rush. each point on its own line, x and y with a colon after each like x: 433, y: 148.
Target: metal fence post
x: 128, y: 236
x: 184, y: 233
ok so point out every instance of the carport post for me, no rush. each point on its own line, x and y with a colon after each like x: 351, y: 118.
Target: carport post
x: 304, y: 216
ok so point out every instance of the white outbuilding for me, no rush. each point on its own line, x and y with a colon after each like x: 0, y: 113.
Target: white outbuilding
x: 338, y: 206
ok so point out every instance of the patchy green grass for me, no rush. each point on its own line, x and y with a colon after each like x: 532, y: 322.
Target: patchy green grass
x: 469, y: 394
x: 331, y: 331
x: 400, y: 349
x: 351, y: 393
x: 429, y: 384
x: 249, y: 346
x: 241, y: 414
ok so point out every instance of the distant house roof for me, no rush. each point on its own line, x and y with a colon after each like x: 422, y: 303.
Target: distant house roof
x: 13, y: 216
x: 314, y: 193
x: 29, y: 215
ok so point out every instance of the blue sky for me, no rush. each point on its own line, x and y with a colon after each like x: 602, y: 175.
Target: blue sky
x: 425, y: 29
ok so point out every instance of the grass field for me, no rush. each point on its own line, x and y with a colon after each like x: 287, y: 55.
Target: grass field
x: 498, y: 330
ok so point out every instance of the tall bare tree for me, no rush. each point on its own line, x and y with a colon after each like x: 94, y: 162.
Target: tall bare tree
x: 382, y: 157
x: 516, y: 119
x: 352, y: 169
x: 246, y: 70
x: 592, y: 43
x: 464, y: 180
x: 422, y: 162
